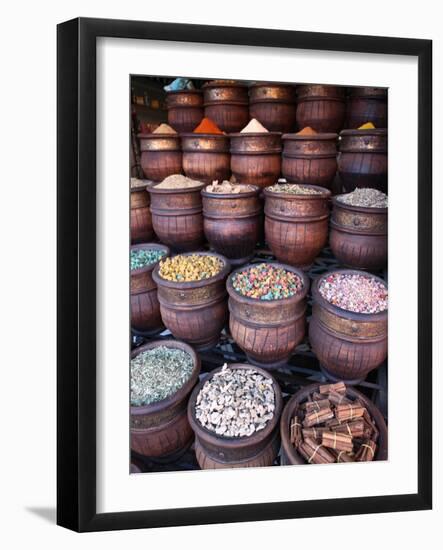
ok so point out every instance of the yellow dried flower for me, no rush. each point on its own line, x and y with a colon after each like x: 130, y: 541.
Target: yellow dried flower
x: 186, y: 269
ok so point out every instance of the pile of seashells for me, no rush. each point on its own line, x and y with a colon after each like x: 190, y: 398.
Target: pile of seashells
x: 236, y: 402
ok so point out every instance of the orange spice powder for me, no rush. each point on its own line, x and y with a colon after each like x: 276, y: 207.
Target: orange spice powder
x: 207, y: 126
x: 307, y: 131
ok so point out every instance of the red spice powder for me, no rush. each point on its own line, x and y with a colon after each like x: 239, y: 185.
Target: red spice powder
x: 307, y: 131
x: 207, y: 126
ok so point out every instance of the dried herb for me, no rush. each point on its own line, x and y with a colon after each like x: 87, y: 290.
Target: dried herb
x: 141, y: 257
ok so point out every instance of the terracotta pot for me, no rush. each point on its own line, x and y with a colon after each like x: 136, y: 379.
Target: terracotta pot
x: 141, y: 219
x: 359, y: 235
x: 296, y: 226
x: 274, y: 105
x: 162, y: 428
x: 145, y: 309
x: 363, y: 159
x: 227, y: 105
x: 321, y: 107
x: 259, y: 449
x: 268, y: 331
x: 348, y: 345
x: 367, y: 105
x: 206, y: 157
x: 161, y: 155
x: 289, y: 452
x: 256, y: 157
x: 195, y: 312
x: 231, y: 223
x: 310, y: 160
x: 185, y: 109
x: 177, y: 217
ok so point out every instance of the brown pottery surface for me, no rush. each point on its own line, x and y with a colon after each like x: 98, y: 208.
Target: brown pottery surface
x: 160, y: 155
x: 268, y: 331
x: 185, y: 109
x: 231, y: 223
x: 274, y: 105
x: 289, y: 452
x: 206, y: 157
x: 321, y: 107
x: 227, y: 105
x: 296, y: 226
x: 258, y: 449
x: 162, y: 428
x: 348, y: 345
x: 177, y: 217
x: 195, y: 312
x: 141, y: 219
x: 367, y: 105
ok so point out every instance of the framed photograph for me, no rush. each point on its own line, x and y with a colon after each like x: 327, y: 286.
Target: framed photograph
x: 224, y: 258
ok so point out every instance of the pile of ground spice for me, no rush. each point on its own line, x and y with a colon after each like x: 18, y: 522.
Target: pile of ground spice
x: 253, y: 127
x: 227, y: 187
x: 158, y: 373
x: 178, y: 181
x: 267, y: 282
x: 207, y: 126
x: 141, y: 257
x: 137, y: 183
x: 164, y: 129
x: 366, y: 126
x: 186, y: 269
x: 364, y: 196
x: 354, y: 292
x: 236, y: 402
x: 307, y: 131
x: 294, y: 189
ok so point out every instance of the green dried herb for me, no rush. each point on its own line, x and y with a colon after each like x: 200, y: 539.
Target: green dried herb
x: 158, y: 373
x: 141, y: 257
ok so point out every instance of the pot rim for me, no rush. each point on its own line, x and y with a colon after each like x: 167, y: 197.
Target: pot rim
x: 204, y: 136
x: 353, y: 208
x: 368, y: 132
x: 319, y: 136
x: 272, y: 85
x: 254, y: 134
x: 353, y: 315
x: 226, y: 85
x: 291, y: 451
x: 171, y: 190
x: 144, y: 188
x: 268, y: 303
x: 325, y: 193
x: 149, y: 246
x: 194, y: 91
x: 158, y: 136
x: 193, y: 284
x: 244, y: 195
x: 235, y: 442
x: 181, y: 393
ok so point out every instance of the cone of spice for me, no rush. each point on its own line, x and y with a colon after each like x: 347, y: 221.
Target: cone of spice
x: 207, y: 126
x: 306, y: 131
x: 164, y: 129
x: 254, y: 127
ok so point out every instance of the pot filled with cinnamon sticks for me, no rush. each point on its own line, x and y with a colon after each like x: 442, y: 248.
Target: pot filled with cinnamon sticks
x: 331, y: 423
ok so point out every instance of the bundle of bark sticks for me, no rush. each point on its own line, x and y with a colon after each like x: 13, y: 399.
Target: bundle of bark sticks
x: 331, y: 427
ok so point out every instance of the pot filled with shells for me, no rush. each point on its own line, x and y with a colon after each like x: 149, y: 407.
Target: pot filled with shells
x: 359, y: 229
x: 348, y: 330
x: 192, y: 296
x: 163, y: 374
x: 267, y: 305
x: 145, y: 308
x: 235, y: 413
x: 331, y: 423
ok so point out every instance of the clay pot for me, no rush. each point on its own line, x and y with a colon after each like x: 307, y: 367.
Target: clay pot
x: 296, y: 226
x: 195, y: 312
x: 206, y: 157
x: 348, y: 345
x: 274, y: 105
x: 215, y: 451
x: 177, y: 217
x: 363, y: 159
x: 185, y: 109
x: 268, y: 331
x: 231, y: 223
x: 141, y: 220
x: 367, y: 104
x: 227, y: 104
x: 289, y: 453
x: 359, y: 236
x: 145, y: 309
x: 310, y: 159
x: 162, y: 428
x: 321, y: 107
x: 256, y: 157
x: 161, y: 155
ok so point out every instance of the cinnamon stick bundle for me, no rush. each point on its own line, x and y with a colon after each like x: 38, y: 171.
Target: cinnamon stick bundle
x: 342, y: 456
x: 295, y: 431
x: 310, y: 406
x: 314, y: 453
x: 366, y: 452
x: 314, y: 433
x: 317, y: 417
x: 338, y: 398
x: 349, y: 412
x: 339, y: 387
x: 354, y: 429
x: 338, y: 441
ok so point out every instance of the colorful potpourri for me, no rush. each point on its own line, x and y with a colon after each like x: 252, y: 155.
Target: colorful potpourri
x: 267, y: 282
x: 365, y: 196
x: 141, y: 257
x: 294, y: 189
x: 186, y: 269
x: 354, y: 292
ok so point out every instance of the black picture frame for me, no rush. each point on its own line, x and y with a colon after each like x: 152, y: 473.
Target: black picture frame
x: 76, y: 281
